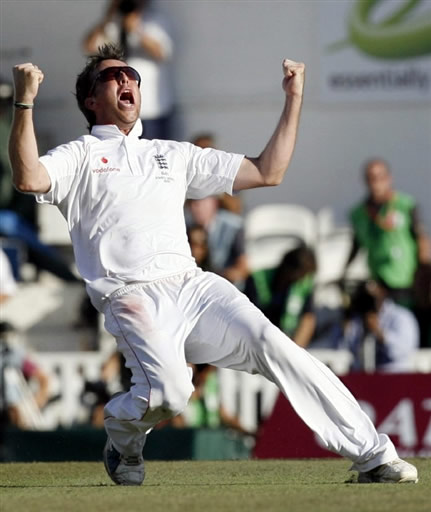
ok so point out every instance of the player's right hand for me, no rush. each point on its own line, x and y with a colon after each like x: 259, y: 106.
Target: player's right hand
x: 27, y: 78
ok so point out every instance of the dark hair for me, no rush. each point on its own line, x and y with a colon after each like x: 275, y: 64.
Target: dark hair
x: 295, y: 265
x: 361, y: 301
x: 202, y: 135
x: 128, y: 6
x: 86, y: 77
x: 382, y: 283
x: 205, y: 264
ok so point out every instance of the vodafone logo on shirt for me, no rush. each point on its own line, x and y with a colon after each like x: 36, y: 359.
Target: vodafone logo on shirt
x: 107, y: 169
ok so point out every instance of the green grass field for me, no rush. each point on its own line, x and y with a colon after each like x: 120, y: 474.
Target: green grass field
x: 320, y: 485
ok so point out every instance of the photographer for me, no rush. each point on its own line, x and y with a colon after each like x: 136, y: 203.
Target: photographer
x: 393, y: 328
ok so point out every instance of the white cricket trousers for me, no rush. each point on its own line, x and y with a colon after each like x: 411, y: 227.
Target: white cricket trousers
x: 199, y: 317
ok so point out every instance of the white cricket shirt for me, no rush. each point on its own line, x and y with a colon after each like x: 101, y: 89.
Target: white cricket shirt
x: 123, y: 200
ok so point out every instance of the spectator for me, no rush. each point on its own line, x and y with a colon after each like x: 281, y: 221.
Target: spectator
x: 106, y: 31
x: 393, y: 328
x: 225, y: 237
x: 198, y: 240
x: 386, y: 225
x: 285, y: 294
x: 146, y: 37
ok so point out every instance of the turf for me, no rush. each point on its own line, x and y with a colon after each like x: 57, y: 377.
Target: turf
x: 320, y: 485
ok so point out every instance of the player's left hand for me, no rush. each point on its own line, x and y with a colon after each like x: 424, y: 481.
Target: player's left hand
x: 294, y: 76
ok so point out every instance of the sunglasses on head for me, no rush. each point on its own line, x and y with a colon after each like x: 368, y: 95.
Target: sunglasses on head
x: 114, y: 73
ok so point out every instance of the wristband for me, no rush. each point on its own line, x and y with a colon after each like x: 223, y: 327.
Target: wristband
x: 23, y: 106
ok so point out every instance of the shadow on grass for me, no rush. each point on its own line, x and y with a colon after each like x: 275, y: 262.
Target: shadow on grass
x: 12, y: 486
x: 236, y: 484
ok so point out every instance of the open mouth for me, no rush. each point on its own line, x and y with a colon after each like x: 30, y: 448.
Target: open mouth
x: 126, y: 98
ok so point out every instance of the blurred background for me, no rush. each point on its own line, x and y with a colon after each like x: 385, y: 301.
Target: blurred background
x: 368, y: 95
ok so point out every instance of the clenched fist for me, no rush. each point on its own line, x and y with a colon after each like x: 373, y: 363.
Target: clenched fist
x: 27, y: 78
x: 294, y: 76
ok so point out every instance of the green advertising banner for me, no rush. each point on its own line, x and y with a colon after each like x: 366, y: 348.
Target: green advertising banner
x: 375, y: 50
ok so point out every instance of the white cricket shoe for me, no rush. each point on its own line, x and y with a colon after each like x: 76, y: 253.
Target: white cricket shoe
x: 121, y: 469
x: 397, y: 471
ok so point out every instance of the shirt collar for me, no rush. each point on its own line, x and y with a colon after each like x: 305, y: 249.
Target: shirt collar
x: 110, y: 131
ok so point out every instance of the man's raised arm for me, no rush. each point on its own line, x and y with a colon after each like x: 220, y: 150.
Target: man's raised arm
x: 28, y: 174
x: 269, y: 168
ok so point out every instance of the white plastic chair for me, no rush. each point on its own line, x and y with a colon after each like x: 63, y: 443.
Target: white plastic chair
x: 273, y: 229
x: 332, y: 252
x: 325, y: 221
